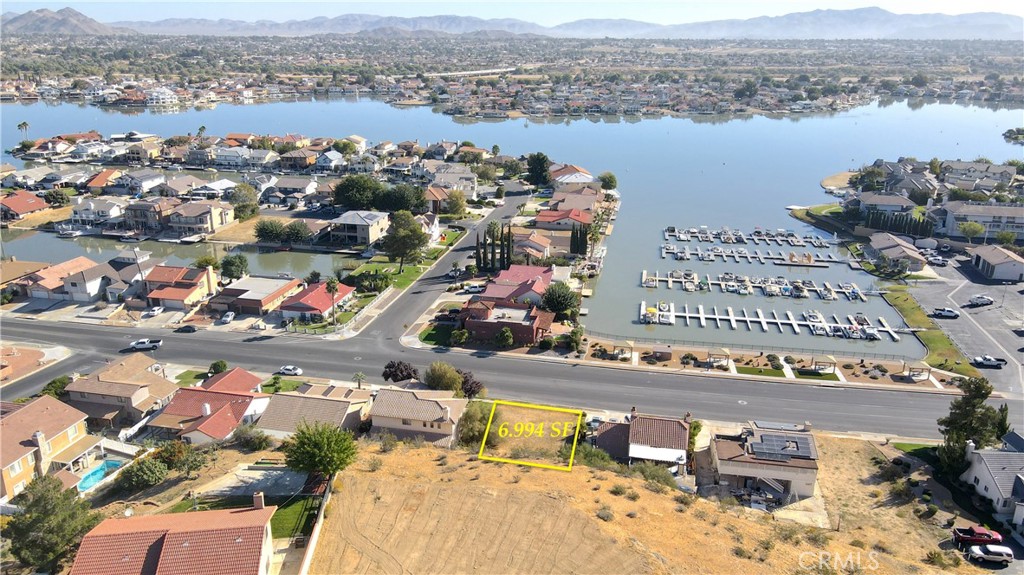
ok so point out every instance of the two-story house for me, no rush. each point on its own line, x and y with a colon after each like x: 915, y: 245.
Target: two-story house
x: 359, y: 227
x: 408, y: 413
x: 176, y: 287
x: 997, y: 476
x: 140, y: 181
x: 142, y: 153
x: 203, y: 217
x: 120, y: 394
x: 48, y: 283
x: 150, y: 215
x: 290, y: 190
x: 235, y: 157
x: 993, y: 217
x: 298, y: 160
x: 112, y: 280
x: 330, y: 161
x: 89, y: 211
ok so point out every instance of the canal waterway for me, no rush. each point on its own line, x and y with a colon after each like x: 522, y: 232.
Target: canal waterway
x: 738, y: 172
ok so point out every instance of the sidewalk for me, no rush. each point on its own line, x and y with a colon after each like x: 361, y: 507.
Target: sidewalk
x: 25, y: 359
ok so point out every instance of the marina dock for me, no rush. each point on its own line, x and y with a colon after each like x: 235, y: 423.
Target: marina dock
x: 743, y: 285
x: 743, y: 255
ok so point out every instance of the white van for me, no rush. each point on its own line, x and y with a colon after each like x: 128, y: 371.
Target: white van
x: 993, y: 553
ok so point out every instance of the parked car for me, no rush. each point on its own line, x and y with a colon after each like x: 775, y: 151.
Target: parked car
x: 155, y: 311
x: 989, y: 361
x: 993, y: 553
x: 595, y: 422
x: 227, y: 317
x: 945, y: 312
x: 145, y: 344
x: 290, y: 370
x: 187, y: 329
x: 980, y: 300
x: 475, y: 288
x: 938, y: 261
x: 975, y: 535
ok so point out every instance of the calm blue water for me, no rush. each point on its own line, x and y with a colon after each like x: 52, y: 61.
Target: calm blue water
x: 685, y: 172
x: 96, y: 475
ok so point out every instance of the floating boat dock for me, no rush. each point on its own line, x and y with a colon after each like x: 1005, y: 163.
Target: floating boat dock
x: 725, y: 235
x: 766, y: 286
x: 742, y: 255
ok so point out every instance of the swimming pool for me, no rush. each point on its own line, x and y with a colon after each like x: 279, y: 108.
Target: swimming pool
x: 96, y: 475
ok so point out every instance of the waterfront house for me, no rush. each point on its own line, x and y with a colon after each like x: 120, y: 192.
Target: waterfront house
x: 581, y: 197
x: 264, y: 159
x: 383, y: 149
x: 895, y: 252
x: 779, y: 458
x: 90, y: 211
x: 485, y: 319
x: 434, y: 415
x: 358, y: 141
x: 330, y: 161
x: 437, y: 199
x: 25, y: 178
x: 175, y: 287
x: 519, y: 283
x: 20, y: 203
x: 43, y: 437
x: 359, y: 227
x: 975, y: 176
x: 533, y: 245
x: 255, y: 295
x: 343, y: 407
x: 218, y: 542
x: 889, y: 203
x: 365, y: 164
x: 907, y: 183
x: 150, y: 215
x: 213, y: 190
x: 179, y: 186
x: 199, y: 415
x: 262, y: 183
x: 402, y: 166
x: 298, y: 160
x: 66, y: 177
x: 142, y: 153
x: 998, y: 263
x: 314, y: 303
x: 662, y: 440
x: 48, y: 283
x: 997, y: 477
x: 562, y: 219
x: 569, y: 174
x: 197, y: 156
x: 441, y: 150
x: 121, y: 393
x: 994, y: 217
x: 111, y: 280
x: 202, y: 217
x: 232, y: 158
x: 85, y: 151
x: 139, y: 181
x: 98, y: 184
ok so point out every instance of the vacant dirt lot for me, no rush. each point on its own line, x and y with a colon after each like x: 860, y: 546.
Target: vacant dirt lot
x: 433, y: 511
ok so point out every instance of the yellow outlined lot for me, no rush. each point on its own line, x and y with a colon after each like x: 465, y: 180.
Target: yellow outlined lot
x: 490, y: 420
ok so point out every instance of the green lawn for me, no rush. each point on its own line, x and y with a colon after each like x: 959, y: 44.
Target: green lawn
x: 294, y: 516
x: 921, y: 451
x: 401, y: 280
x: 941, y: 351
x: 286, y: 385
x: 825, y: 209
x: 765, y: 371
x: 814, y: 374
x: 437, y: 333
x: 191, y: 377
x: 451, y: 236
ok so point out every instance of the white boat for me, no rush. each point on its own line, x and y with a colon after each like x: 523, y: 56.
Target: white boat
x: 651, y: 283
x: 662, y: 306
x: 689, y: 275
x: 732, y: 287
x: 675, y: 274
x: 130, y: 238
x: 870, y: 333
x: 745, y: 290
x: 669, y: 248
x: 689, y: 286
x: 69, y: 233
x: 819, y: 329
x: 813, y: 316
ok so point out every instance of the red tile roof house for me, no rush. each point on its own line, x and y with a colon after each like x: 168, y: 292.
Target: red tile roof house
x: 221, y: 542
x: 484, y: 319
x: 562, y: 219
x: 177, y: 287
x: 662, y: 440
x: 20, y: 203
x: 48, y: 283
x: 201, y: 415
x: 314, y: 303
x: 519, y: 284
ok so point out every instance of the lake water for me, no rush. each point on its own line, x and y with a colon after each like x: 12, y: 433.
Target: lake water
x: 737, y: 172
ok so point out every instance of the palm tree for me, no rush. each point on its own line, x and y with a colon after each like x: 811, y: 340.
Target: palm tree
x: 201, y: 132
x: 24, y: 129
x: 332, y: 289
x: 359, y: 377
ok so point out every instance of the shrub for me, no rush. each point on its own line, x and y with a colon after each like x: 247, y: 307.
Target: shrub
x: 458, y: 337
x: 655, y: 487
x: 681, y: 509
x: 848, y: 366
x: 632, y: 514
x: 632, y: 496
x: 891, y: 472
x: 656, y: 473
x: 219, y: 366
x: 741, y: 552
x: 901, y: 491
x: 788, y: 533
x: 931, y: 510
x: 375, y: 463
x: 767, y: 544
x: 605, y: 514
x: 936, y: 558
x: 388, y: 442
x: 817, y: 538
x: 251, y: 438
x: 858, y: 544
x: 546, y: 343
x: 618, y: 489
x: 789, y: 359
x: 143, y: 473
x: 881, y: 547
x: 684, y: 498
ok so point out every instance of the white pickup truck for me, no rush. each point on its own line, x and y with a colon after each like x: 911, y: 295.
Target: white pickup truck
x: 945, y: 312
x: 989, y: 361
x: 145, y: 344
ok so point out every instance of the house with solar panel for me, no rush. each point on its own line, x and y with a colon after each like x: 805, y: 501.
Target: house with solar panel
x: 776, y: 460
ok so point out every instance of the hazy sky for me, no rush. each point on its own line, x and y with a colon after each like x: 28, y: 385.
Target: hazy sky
x: 542, y: 12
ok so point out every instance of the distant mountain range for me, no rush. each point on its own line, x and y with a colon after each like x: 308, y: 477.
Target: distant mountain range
x: 862, y: 23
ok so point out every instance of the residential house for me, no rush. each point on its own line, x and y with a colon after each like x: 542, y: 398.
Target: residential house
x: 178, y: 187
x: 894, y: 251
x: 330, y: 161
x: 383, y: 149
x: 241, y: 138
x: 121, y: 393
x: 16, y: 275
x: 175, y: 287
x: 582, y: 197
x: 360, y: 227
x: 778, y: 458
x: 889, y: 203
x: 434, y: 415
x: 437, y: 199
x: 531, y: 245
x: 111, y: 280
x: 151, y: 215
x: 218, y: 542
x: 569, y: 174
x: 519, y: 284
x: 235, y: 157
x: 402, y: 166
x: 314, y: 303
x: 142, y: 153
x: 441, y: 150
x: 89, y: 211
x: 291, y: 191
x: 66, y: 177
x: 139, y: 181
x: 200, y: 156
x: 88, y: 151
x: 997, y: 476
x: 485, y: 319
x: 25, y: 178
x: 43, y: 437
x: 264, y: 159
x: 199, y: 415
x: 20, y: 203
x: 998, y: 263
x: 431, y: 226
x: 976, y: 176
x: 255, y: 295
x: 906, y: 184
x: 358, y: 141
x: 48, y: 283
x: 344, y: 407
x: 662, y: 440
x: 994, y: 217
x: 365, y: 164
x: 562, y: 219
x: 98, y: 184
x: 456, y: 177
x: 202, y: 217
x: 298, y: 160
x: 234, y: 380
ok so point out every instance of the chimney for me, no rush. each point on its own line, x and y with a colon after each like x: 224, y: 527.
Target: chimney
x: 632, y: 413
x: 447, y: 413
x: 970, y: 449
x: 206, y: 409
x: 39, y: 438
x: 257, y: 500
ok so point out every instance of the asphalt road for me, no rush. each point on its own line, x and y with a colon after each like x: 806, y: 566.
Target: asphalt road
x: 557, y: 382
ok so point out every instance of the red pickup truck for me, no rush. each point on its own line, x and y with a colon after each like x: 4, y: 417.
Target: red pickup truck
x: 976, y: 535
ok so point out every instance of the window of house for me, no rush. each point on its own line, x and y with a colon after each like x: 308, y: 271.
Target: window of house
x: 16, y: 468
x: 120, y: 400
x: 406, y: 422
x: 986, y: 489
x: 976, y: 480
x: 73, y: 432
x: 83, y: 394
x: 49, y: 447
x: 425, y: 424
x: 19, y: 487
x: 31, y: 458
x: 74, y: 284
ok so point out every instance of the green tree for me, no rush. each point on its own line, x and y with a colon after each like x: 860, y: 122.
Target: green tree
x: 358, y: 192
x: 142, y: 473
x: 320, y: 447
x: 458, y: 337
x: 1006, y: 237
x: 206, y: 261
x: 537, y: 169
x: 57, y: 386
x: 399, y: 371
x: 935, y: 166
x: 512, y: 168
x: 344, y: 147
x: 495, y: 150
x: 953, y: 455
x: 332, y: 290
x: 473, y: 424
x: 504, y: 338
x: 608, y: 181
x: 234, y: 266
x: 269, y: 231
x: 456, y: 203
x: 245, y: 200
x: 201, y: 132
x: 560, y: 299
x: 971, y: 230
x: 57, y: 198
x: 51, y: 524
x: 1003, y: 421
x: 23, y: 127
x: 297, y: 232
x: 441, y: 375
x: 312, y: 278
x: 401, y: 197
x: 359, y: 377
x: 219, y: 366
x: 970, y: 417
x: 405, y: 239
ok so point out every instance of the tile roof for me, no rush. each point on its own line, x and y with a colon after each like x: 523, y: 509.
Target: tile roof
x: 44, y: 414
x: 173, y: 293
x: 548, y: 216
x: 124, y: 377
x: 662, y: 432
x: 17, y: 269
x: 613, y: 438
x: 871, y: 198
x: 417, y: 405
x: 22, y: 202
x: 185, y: 411
x: 53, y: 276
x: 235, y: 379
x: 517, y: 274
x: 316, y: 298
x: 221, y: 542
x: 104, y: 178
x: 287, y: 410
